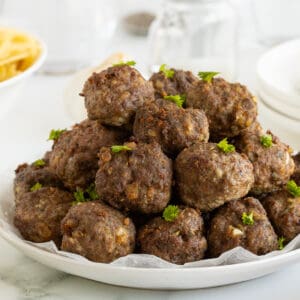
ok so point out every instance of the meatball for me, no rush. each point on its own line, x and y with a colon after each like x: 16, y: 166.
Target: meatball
x: 179, y: 241
x: 74, y: 156
x: 272, y: 165
x: 229, y: 229
x: 137, y: 180
x: 28, y: 175
x: 178, y: 84
x: 113, y: 95
x: 284, y: 212
x: 97, y: 232
x: 174, y: 128
x: 229, y: 107
x: 296, y: 174
x: 39, y: 213
x: 206, y: 177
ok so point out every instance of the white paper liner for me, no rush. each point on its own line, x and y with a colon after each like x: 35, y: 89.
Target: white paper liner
x: 234, y: 256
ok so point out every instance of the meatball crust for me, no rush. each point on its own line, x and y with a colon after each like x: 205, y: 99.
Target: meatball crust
x: 28, y: 175
x: 74, y: 156
x: 206, y: 177
x: 179, y: 241
x: 229, y: 107
x: 113, y: 95
x: 138, y: 180
x: 227, y: 230
x: 272, y: 166
x: 39, y: 213
x: 284, y: 213
x: 296, y: 174
x: 177, y: 85
x: 174, y: 128
x: 97, y: 232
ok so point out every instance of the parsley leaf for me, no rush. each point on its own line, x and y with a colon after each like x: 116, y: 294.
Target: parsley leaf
x: 207, y: 76
x: 177, y: 99
x: 119, y: 148
x: 281, y: 243
x: 36, y: 187
x: 266, y: 140
x: 247, y: 218
x: 39, y: 163
x: 225, y: 147
x: 55, y: 134
x: 125, y: 63
x: 89, y: 194
x: 167, y: 72
x: 293, y: 188
x: 79, y: 196
x: 170, y: 213
x: 91, y: 191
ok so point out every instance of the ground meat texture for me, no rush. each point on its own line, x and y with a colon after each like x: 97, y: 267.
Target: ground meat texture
x: 28, y: 175
x: 296, y: 174
x: 138, y: 180
x: 229, y: 107
x: 74, y: 156
x: 284, y: 212
x: 113, y: 95
x: 174, y: 128
x: 272, y: 166
x: 177, y: 85
x: 179, y: 241
x: 228, y: 231
x: 97, y: 232
x: 206, y: 177
x: 39, y: 213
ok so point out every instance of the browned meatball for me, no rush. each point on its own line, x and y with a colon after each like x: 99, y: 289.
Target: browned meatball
x: 138, y: 180
x: 206, y: 177
x: 283, y: 210
x: 113, y: 95
x: 39, y: 213
x: 228, y: 230
x: 28, y: 175
x: 174, y: 128
x: 178, y: 84
x: 179, y: 241
x: 296, y: 174
x: 272, y: 165
x: 74, y: 156
x: 97, y: 232
x: 229, y: 107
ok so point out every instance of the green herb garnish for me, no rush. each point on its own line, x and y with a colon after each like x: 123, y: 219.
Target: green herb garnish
x: 55, y: 134
x: 125, y: 63
x: 177, y: 99
x: 266, y: 140
x: 36, y: 187
x: 293, y: 188
x: 91, y: 191
x: 39, y: 163
x: 79, y: 196
x: 281, y: 243
x: 167, y: 72
x: 207, y: 76
x: 89, y: 194
x: 170, y: 213
x: 119, y: 148
x: 247, y: 218
x: 225, y: 147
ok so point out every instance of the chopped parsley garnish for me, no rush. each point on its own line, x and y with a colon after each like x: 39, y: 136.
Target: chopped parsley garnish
x: 266, y: 140
x: 207, y: 76
x: 293, y: 188
x: 177, y: 99
x: 79, y: 196
x: 39, y: 163
x: 55, y: 134
x: 171, y: 213
x: 91, y: 191
x: 119, y: 148
x: 167, y: 72
x: 89, y: 194
x: 247, y: 218
x: 281, y: 243
x: 225, y: 147
x: 36, y: 187
x: 125, y: 63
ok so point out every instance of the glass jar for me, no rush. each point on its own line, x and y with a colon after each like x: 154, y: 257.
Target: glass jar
x: 195, y: 35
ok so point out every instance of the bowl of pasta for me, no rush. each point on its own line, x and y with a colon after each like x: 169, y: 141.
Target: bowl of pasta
x: 21, y: 54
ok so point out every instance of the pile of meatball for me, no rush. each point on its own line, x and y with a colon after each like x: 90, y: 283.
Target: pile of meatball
x: 145, y: 174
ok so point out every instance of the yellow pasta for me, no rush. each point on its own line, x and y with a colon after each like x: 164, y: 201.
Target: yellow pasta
x: 18, y: 51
